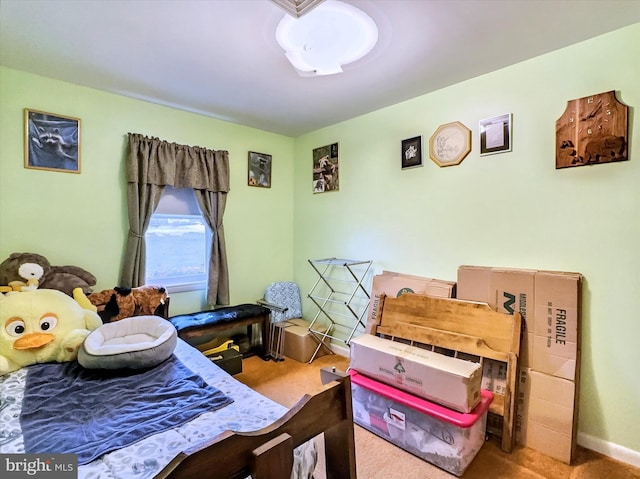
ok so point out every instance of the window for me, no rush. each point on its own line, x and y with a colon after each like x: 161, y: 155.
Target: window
x: 178, y: 242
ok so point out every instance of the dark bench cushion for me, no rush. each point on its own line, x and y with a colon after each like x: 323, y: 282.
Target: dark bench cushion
x: 220, y: 316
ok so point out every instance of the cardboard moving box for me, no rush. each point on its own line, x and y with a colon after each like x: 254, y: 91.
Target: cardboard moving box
x: 506, y: 291
x: 547, y: 414
x: 299, y: 343
x: 556, y: 330
x: 395, y: 284
x: 549, y: 302
x: 451, y: 382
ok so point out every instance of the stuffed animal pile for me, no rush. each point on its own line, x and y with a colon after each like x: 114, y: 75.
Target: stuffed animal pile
x: 119, y: 303
x: 42, y: 326
x: 30, y: 271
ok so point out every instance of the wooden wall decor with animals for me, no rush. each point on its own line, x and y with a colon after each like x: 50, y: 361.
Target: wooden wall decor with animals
x: 592, y: 130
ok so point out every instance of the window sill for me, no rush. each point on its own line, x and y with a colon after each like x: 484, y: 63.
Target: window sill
x: 184, y: 288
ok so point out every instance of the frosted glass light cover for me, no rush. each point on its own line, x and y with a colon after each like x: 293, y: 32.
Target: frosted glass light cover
x: 330, y: 36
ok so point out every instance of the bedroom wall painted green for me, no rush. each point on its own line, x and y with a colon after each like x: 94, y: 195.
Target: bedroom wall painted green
x: 510, y: 210
x: 82, y: 220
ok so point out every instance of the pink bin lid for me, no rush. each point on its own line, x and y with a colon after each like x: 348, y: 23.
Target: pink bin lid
x: 459, y: 419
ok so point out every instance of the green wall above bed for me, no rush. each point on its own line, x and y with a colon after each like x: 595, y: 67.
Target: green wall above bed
x: 81, y: 219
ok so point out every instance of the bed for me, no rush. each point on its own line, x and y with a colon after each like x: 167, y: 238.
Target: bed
x: 247, y: 435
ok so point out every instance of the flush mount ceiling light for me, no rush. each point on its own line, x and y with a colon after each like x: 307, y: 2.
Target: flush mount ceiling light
x: 331, y: 35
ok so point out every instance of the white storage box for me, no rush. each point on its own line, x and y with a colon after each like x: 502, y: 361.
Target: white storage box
x: 451, y: 382
x: 444, y: 437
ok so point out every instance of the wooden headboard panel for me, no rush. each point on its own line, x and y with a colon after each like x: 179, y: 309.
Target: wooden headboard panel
x: 463, y: 327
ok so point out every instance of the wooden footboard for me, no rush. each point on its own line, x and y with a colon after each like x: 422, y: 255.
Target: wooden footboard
x: 268, y: 452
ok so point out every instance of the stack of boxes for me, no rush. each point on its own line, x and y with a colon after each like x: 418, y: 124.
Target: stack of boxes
x: 427, y: 403
x: 549, y: 302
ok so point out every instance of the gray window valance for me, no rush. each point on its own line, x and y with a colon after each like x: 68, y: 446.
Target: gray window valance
x: 159, y: 162
x: 153, y: 164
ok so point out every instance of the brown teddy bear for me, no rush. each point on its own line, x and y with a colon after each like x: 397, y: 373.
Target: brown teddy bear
x: 119, y: 303
x: 25, y: 271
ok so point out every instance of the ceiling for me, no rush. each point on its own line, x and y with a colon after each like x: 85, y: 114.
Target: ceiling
x: 220, y: 58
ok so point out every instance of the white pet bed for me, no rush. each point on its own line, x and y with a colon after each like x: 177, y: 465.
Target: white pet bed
x: 135, y: 343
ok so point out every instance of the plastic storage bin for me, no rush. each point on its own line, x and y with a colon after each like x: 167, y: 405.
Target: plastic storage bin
x: 444, y: 437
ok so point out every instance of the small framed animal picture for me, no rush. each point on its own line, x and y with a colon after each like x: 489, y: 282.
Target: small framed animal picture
x: 51, y: 141
x: 411, y: 152
x: 259, y: 170
x: 325, y: 169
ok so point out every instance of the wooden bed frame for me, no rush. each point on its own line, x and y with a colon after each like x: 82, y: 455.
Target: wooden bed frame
x: 268, y: 452
x: 459, y: 326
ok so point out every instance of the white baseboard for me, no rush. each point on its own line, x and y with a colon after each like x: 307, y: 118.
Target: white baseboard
x: 339, y: 349
x: 615, y: 451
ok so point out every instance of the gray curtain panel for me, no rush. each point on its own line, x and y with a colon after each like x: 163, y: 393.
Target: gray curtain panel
x: 151, y: 165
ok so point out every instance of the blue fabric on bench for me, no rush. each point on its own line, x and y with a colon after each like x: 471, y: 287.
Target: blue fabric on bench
x: 224, y: 315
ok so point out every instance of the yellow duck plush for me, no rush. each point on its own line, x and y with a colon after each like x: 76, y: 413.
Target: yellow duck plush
x: 44, y: 325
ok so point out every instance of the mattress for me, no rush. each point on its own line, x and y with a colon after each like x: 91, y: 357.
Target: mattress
x: 248, y: 412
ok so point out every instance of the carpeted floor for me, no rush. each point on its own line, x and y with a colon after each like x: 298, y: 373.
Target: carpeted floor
x: 286, y: 381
